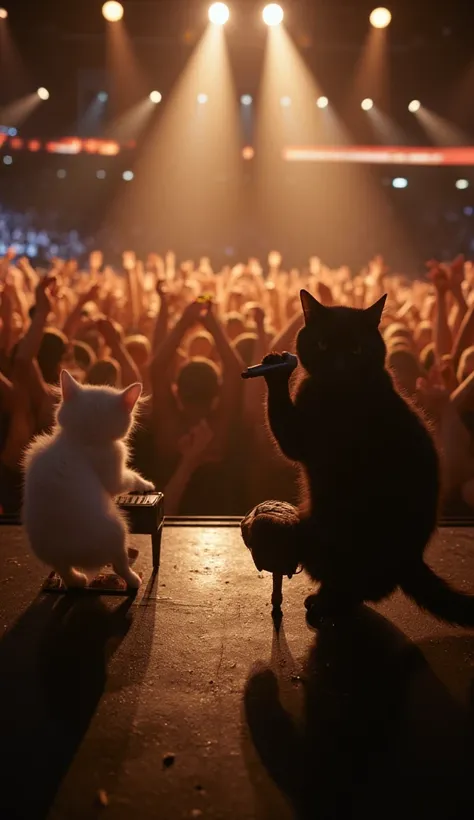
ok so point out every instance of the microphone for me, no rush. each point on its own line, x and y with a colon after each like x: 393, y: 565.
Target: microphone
x: 289, y: 363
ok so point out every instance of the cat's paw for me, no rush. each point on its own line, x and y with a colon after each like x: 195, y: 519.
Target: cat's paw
x: 287, y: 361
x: 274, y: 358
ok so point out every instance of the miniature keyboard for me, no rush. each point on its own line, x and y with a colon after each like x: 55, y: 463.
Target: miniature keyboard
x: 145, y: 515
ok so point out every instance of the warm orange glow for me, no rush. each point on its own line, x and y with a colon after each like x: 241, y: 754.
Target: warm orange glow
x: 3, y: 14
x: 248, y: 152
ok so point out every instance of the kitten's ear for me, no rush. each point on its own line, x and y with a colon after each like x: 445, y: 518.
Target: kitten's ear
x: 374, y: 312
x: 311, y: 307
x: 69, y: 386
x: 131, y: 395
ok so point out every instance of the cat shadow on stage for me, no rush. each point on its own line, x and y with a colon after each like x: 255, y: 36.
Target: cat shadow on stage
x: 374, y: 734
x: 53, y: 674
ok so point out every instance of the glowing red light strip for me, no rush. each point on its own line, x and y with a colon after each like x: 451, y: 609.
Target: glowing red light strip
x: 66, y: 145
x: 383, y: 155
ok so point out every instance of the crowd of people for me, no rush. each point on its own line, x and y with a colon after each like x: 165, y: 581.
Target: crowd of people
x: 38, y: 237
x: 187, y: 331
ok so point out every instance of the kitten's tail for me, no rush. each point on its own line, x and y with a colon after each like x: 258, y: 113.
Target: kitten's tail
x: 437, y: 596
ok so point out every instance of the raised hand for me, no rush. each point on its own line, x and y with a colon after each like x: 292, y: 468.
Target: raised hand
x: 195, y: 446
x: 91, y: 294
x: 44, y: 294
x: 108, y: 331
x: 194, y: 313
x: 438, y: 275
x: 456, y: 270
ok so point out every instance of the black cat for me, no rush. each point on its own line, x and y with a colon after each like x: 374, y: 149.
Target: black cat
x: 370, y: 478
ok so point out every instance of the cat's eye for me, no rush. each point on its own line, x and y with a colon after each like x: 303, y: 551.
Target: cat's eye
x: 322, y: 345
x: 357, y: 350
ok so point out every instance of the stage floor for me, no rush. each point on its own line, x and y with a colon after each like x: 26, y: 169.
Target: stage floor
x: 186, y: 704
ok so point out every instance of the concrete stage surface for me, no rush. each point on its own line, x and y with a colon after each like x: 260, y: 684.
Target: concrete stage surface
x: 185, y: 703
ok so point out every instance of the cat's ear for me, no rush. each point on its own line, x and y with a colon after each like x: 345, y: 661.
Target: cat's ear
x: 69, y: 386
x: 374, y: 312
x: 131, y: 395
x: 311, y: 307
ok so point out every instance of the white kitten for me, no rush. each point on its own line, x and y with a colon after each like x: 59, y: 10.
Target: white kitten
x: 72, y: 477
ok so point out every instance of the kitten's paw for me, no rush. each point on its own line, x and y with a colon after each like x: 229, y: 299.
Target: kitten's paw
x: 75, y: 580
x: 133, y: 580
x: 141, y: 485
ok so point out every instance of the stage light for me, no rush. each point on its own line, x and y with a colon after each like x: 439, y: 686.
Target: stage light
x: 43, y: 93
x: 380, y: 17
x: 367, y: 104
x: 399, y: 182
x: 102, y: 96
x: 100, y: 174
x: 128, y: 176
x: 273, y: 14
x: 219, y: 14
x: 12, y: 132
x: 246, y: 99
x: 7, y: 159
x: 285, y: 102
x: 202, y: 99
x: 155, y: 97
x: 112, y: 11
x: 248, y: 152
x: 462, y: 184
x: 3, y: 14
x: 61, y: 174
x: 322, y: 102
x: 414, y: 106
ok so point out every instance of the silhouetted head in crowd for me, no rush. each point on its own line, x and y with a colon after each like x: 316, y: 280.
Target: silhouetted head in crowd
x: 245, y: 347
x: 84, y: 356
x: 396, y: 332
x: 466, y: 364
x: 428, y: 357
x: 423, y: 335
x: 105, y: 372
x: 201, y: 345
x: 139, y: 348
x: 53, y: 349
x: 234, y: 325
x: 197, y: 387
x: 405, y: 368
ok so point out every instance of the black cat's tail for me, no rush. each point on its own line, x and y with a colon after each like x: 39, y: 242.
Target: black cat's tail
x: 437, y: 596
